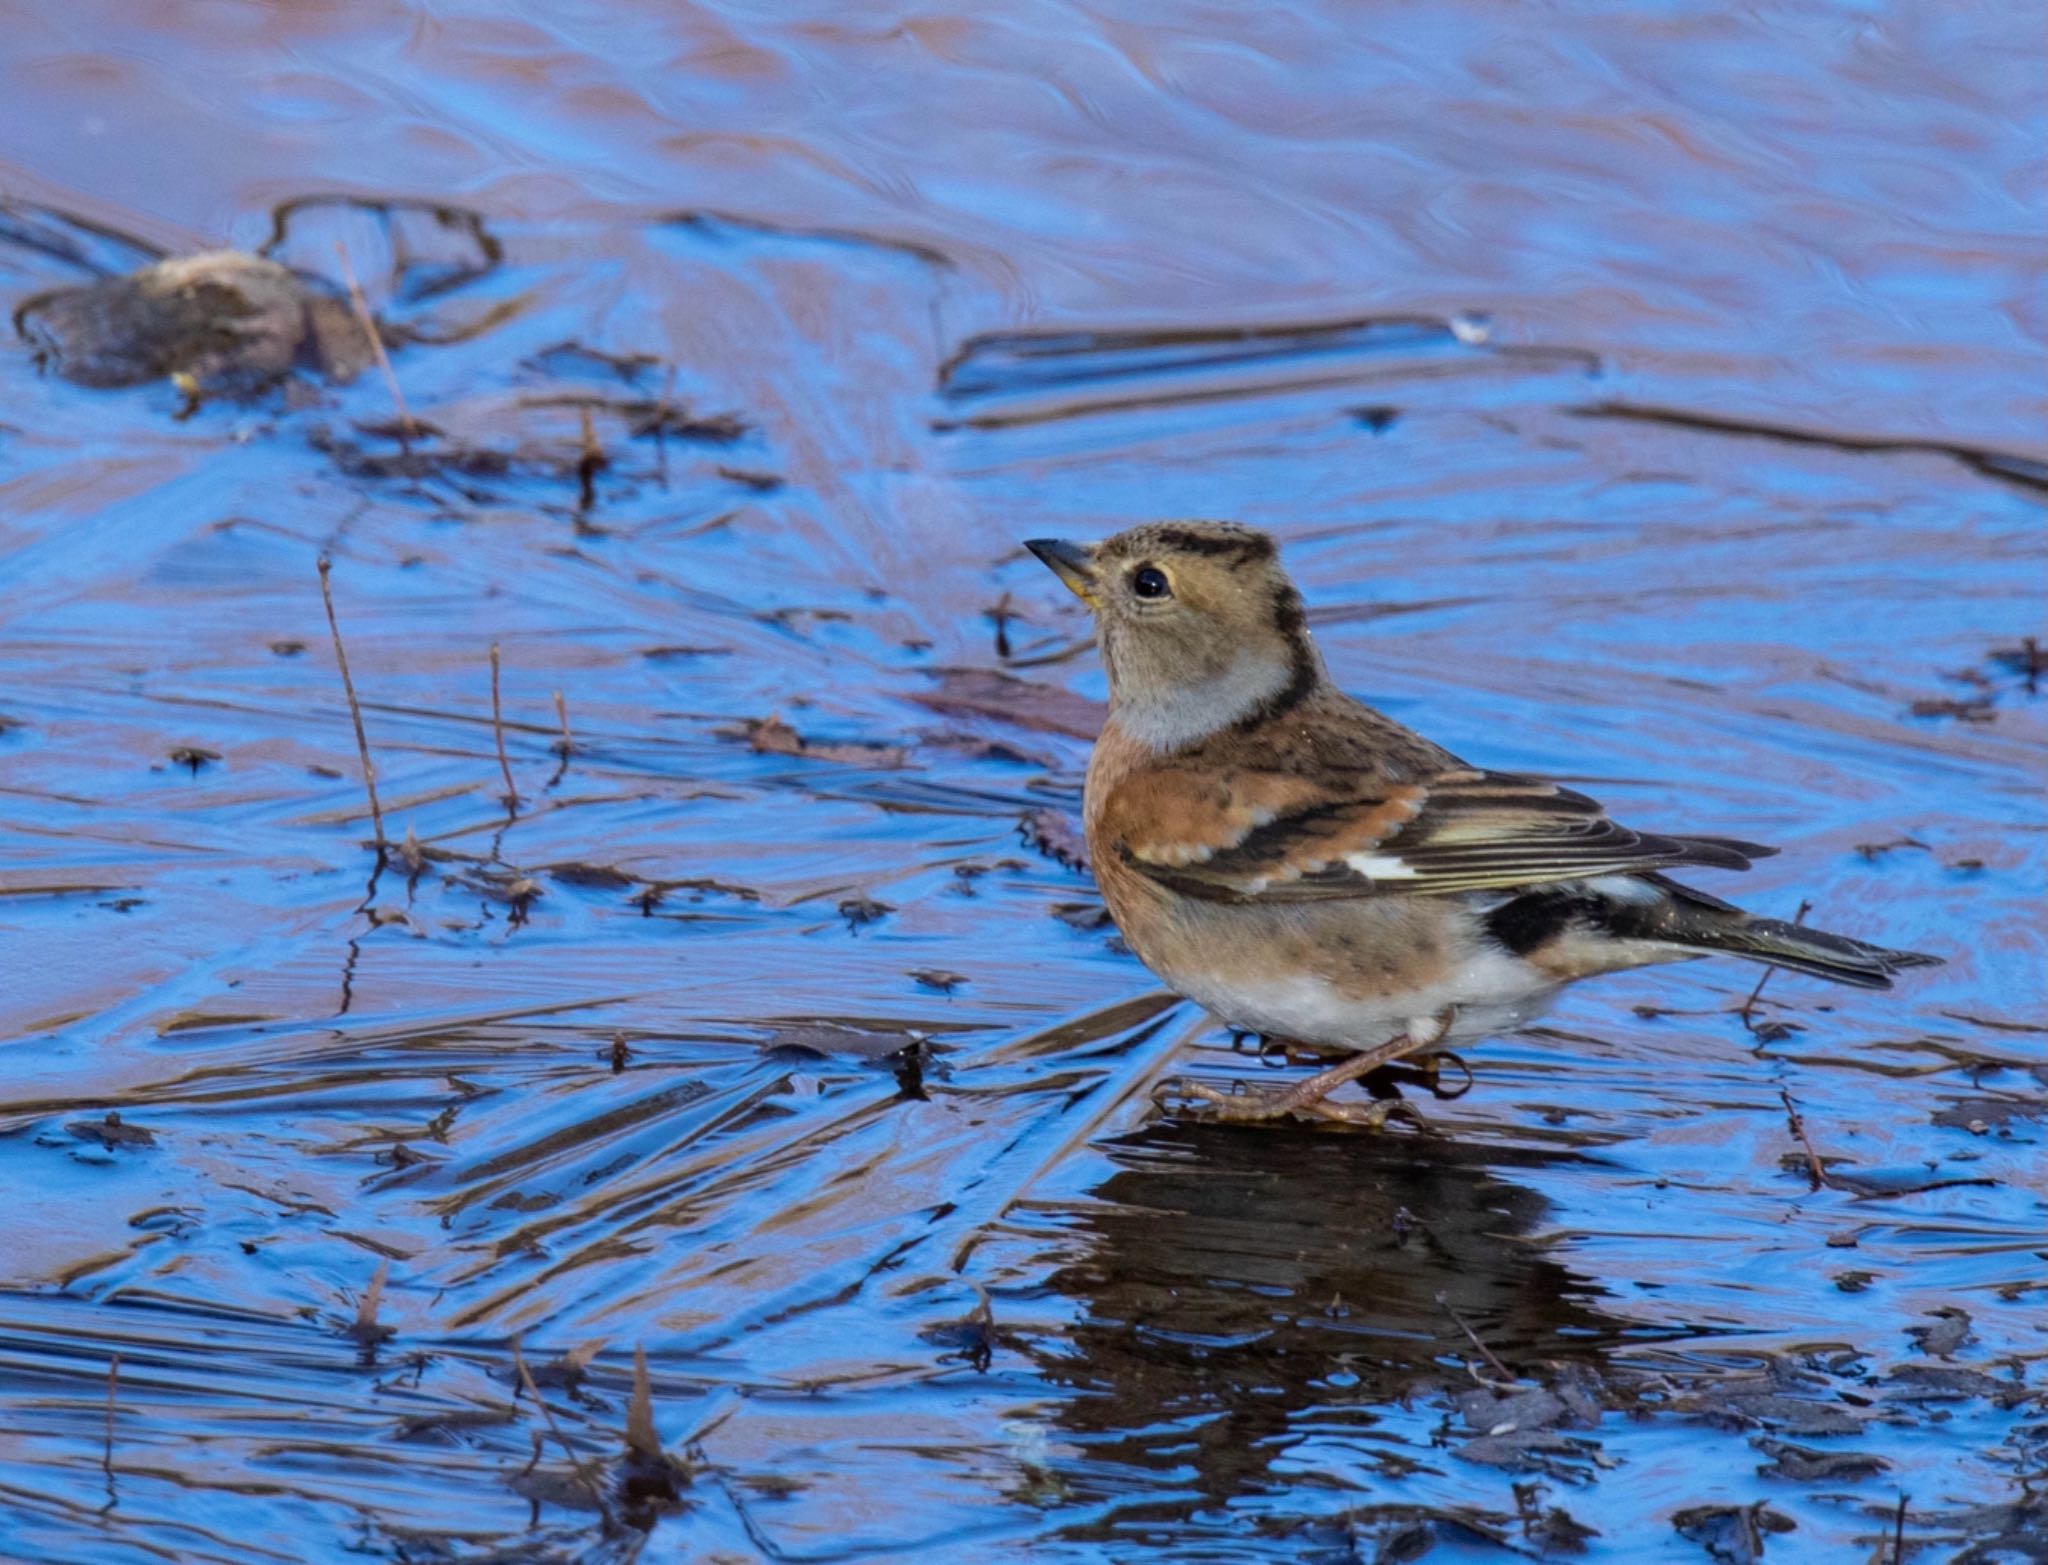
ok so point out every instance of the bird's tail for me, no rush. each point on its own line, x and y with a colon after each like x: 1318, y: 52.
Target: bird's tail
x: 1698, y: 922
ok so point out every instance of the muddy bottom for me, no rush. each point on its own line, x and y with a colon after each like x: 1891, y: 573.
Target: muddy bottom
x: 718, y: 1125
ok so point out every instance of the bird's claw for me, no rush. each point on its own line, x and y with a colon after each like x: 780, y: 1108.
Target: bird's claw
x: 1373, y: 1115
x: 1432, y: 1067
x: 1182, y: 1091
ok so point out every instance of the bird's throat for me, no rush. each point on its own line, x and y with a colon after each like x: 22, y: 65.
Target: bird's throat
x: 1173, y: 714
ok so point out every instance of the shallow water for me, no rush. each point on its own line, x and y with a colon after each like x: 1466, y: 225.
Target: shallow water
x: 776, y: 1050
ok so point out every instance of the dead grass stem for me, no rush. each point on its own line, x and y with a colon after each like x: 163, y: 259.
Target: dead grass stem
x: 113, y: 1388
x: 355, y: 707
x: 406, y: 427
x: 583, y: 1474
x: 566, y: 743
x: 498, y: 730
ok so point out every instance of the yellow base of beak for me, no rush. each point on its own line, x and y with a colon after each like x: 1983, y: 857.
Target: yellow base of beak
x: 1073, y: 563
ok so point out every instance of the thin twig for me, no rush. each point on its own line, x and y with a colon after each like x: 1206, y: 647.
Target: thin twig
x: 1002, y: 616
x: 1899, y: 1531
x: 562, y: 746
x: 588, y: 463
x: 498, y: 727
x: 113, y: 1385
x: 366, y: 1324
x: 1815, y: 1169
x: 568, y: 1450
x: 1472, y: 1336
x: 668, y: 391
x: 355, y: 707
x: 565, y: 744
x: 406, y: 428
x: 1749, y: 1006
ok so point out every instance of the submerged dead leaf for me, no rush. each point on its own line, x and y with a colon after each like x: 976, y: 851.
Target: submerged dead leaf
x: 593, y: 877
x: 1977, y: 710
x: 2028, y: 659
x: 1057, y: 835
x: 1951, y: 1329
x: 1773, y: 1399
x: 1083, y: 916
x: 568, y: 1368
x: 1408, y: 1532
x: 111, y: 1133
x: 1980, y: 1115
x: 772, y: 736
x: 1022, y: 703
x: 1734, y: 1533
x: 1550, y: 1529
x: 1532, y: 1451
x: 973, y: 1337
x: 1949, y: 1383
x: 863, y: 910
x: 1802, y: 1464
x: 450, y: 1424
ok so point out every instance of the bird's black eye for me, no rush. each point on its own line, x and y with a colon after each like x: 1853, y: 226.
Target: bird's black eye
x: 1149, y: 581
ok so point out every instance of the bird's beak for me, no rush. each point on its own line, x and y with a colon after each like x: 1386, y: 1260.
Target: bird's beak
x: 1073, y: 563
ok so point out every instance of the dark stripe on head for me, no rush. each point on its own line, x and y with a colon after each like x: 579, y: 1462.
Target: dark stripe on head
x: 1243, y: 545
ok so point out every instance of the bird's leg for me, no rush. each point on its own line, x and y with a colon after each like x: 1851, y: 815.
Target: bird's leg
x: 1246, y: 1105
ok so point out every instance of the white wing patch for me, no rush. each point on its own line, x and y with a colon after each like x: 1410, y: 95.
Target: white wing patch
x: 1381, y: 866
x: 1624, y: 888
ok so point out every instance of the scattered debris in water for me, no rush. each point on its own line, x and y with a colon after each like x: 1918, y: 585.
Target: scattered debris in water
x: 1020, y: 703
x: 193, y: 757
x: 859, y: 911
x: 1803, y: 1464
x: 2028, y: 660
x: 366, y: 1328
x: 112, y: 1132
x: 772, y: 736
x: 1057, y: 835
x: 1734, y: 1533
x: 1950, y: 1331
x: 224, y: 321
x: 1977, y: 710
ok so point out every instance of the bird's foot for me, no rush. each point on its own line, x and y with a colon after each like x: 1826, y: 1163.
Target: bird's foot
x: 1373, y: 1115
x: 1243, y: 1104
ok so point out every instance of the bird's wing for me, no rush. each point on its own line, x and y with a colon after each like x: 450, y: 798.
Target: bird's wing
x: 1282, y: 837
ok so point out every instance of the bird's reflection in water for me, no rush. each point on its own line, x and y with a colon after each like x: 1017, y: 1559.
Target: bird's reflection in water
x: 1243, y: 1285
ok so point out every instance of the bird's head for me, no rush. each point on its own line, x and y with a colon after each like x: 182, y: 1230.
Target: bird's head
x: 1199, y: 627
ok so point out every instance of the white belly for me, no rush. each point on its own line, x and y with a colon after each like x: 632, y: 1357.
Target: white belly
x: 1489, y: 993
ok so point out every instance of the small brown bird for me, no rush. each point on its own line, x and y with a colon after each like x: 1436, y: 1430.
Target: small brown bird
x: 1310, y: 870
